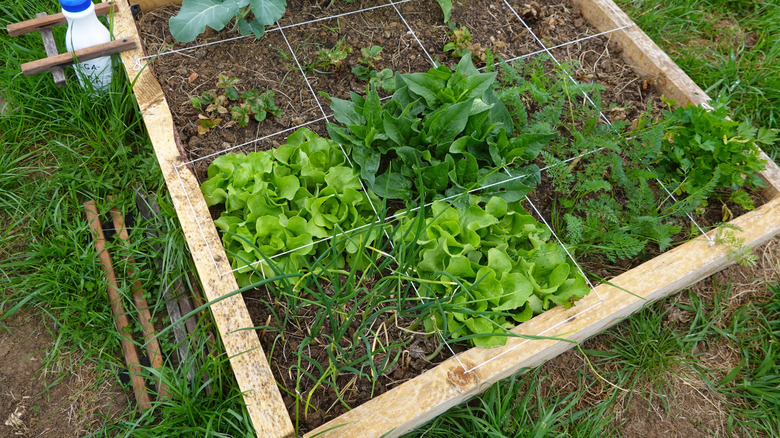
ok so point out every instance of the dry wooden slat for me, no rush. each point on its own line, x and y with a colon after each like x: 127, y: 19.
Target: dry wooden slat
x: 147, y: 5
x: 105, y: 49
x: 49, y: 21
x: 120, y: 316
x: 144, y: 316
x: 51, y: 49
x: 250, y: 365
x: 641, y: 52
x: 146, y: 207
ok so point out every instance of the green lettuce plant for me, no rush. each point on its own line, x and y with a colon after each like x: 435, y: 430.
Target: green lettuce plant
x: 488, y: 267
x: 285, y: 201
x: 442, y: 132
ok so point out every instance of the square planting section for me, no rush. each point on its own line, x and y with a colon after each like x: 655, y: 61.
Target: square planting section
x: 605, y: 45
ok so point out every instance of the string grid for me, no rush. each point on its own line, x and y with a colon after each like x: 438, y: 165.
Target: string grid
x: 543, y: 49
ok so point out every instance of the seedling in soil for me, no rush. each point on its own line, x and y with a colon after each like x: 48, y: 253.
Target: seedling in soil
x: 329, y: 60
x: 254, y: 105
x: 460, y: 44
x: 367, y: 69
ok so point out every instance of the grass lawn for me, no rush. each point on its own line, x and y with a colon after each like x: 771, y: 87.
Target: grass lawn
x: 707, y: 359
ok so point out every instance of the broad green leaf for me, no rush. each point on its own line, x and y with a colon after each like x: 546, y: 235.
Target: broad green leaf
x: 342, y: 178
x: 446, y: 9
x: 424, y: 85
x: 268, y: 12
x: 474, y: 86
x: 499, y: 261
x: 558, y: 275
x: 444, y: 125
x: 496, y: 207
x: 368, y: 160
x: 392, y: 185
x: 460, y: 267
x: 435, y: 178
x: 346, y: 112
x: 517, y: 290
x: 195, y: 15
x: 258, y: 30
x: 213, y: 192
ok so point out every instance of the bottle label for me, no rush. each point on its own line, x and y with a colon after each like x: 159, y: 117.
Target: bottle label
x: 98, y: 73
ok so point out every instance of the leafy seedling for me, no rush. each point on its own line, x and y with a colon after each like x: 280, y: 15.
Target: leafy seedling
x: 250, y: 104
x: 227, y: 83
x: 331, y: 59
x: 460, y: 44
x: 206, y: 123
x: 366, y: 71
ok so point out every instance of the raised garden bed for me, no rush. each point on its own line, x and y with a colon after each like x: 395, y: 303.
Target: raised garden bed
x: 634, y: 80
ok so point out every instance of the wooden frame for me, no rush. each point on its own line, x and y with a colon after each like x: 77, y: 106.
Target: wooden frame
x: 422, y: 398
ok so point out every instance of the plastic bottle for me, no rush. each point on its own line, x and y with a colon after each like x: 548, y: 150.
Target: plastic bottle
x: 85, y: 30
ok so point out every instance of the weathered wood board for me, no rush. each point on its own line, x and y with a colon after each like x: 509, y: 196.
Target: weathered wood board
x: 435, y: 391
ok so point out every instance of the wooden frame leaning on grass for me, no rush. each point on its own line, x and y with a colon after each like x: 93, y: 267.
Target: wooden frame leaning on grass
x: 438, y: 389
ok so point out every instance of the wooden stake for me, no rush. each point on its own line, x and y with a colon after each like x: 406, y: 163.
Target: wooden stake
x: 49, y: 21
x: 144, y: 316
x: 46, y: 64
x: 120, y: 316
x: 51, y: 50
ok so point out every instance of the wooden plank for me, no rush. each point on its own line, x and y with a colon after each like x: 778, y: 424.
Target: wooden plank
x: 145, y: 207
x: 49, y: 21
x: 147, y: 5
x: 250, y: 366
x: 120, y: 316
x: 445, y: 386
x: 644, y: 55
x: 105, y: 49
x: 51, y: 50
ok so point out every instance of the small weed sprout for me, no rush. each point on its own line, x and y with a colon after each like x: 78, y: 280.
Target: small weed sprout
x: 459, y: 43
x: 366, y: 71
x: 329, y: 60
x: 738, y: 252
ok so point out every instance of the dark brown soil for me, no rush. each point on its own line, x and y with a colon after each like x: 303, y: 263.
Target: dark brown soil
x: 272, y: 63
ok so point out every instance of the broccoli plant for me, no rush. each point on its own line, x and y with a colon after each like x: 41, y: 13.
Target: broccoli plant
x: 251, y: 16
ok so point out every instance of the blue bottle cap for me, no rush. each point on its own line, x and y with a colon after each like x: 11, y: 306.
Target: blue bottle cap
x: 75, y: 5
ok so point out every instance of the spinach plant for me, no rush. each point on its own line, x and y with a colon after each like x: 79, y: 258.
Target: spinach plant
x: 441, y: 132
x: 488, y: 266
x: 287, y: 200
